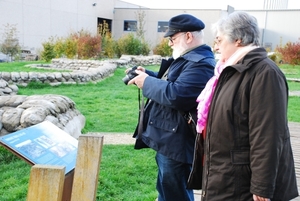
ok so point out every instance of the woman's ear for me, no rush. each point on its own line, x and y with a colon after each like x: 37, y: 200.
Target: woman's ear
x: 238, y: 42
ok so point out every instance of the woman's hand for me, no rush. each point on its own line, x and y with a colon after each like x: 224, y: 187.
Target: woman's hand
x: 258, y: 198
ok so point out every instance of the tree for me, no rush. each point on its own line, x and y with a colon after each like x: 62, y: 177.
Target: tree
x: 10, y: 44
x: 140, y: 31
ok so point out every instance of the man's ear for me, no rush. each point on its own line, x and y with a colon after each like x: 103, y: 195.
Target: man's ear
x: 189, y: 37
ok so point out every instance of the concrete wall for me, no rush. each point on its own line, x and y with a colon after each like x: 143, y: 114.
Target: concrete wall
x: 153, y: 16
x: 277, y: 26
x: 37, y: 20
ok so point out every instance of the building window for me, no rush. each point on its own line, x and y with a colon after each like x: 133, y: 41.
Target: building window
x: 162, y: 26
x: 130, y: 25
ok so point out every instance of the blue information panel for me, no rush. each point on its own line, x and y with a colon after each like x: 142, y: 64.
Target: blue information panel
x: 43, y: 143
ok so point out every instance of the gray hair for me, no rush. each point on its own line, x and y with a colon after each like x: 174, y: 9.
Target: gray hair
x: 239, y: 25
x: 199, y: 35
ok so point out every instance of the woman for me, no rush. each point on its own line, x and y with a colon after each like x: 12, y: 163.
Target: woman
x: 242, y: 114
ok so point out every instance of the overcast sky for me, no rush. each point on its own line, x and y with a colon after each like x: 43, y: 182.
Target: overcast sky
x: 208, y: 4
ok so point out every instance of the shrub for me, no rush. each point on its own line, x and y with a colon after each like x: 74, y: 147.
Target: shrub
x: 70, y: 47
x: 108, y: 44
x: 290, y: 53
x: 163, y: 48
x: 10, y: 44
x: 88, y: 46
x: 273, y: 57
x: 83, y: 44
x: 129, y: 44
x: 59, y: 48
x: 48, y: 53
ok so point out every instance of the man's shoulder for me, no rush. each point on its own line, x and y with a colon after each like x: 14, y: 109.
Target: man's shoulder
x: 199, y: 53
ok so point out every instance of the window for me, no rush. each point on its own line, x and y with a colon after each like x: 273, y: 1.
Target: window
x: 162, y: 26
x: 130, y: 25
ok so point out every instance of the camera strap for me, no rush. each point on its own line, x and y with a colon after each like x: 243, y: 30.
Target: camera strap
x: 142, y: 104
x: 141, y: 114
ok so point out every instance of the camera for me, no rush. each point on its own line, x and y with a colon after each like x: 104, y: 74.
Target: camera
x: 130, y: 75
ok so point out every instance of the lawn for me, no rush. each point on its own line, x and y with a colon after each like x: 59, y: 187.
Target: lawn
x: 109, y: 106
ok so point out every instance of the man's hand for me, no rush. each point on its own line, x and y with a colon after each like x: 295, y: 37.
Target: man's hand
x: 139, y: 79
x: 138, y: 68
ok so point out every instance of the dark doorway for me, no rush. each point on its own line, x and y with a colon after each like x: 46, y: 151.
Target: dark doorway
x: 104, y: 22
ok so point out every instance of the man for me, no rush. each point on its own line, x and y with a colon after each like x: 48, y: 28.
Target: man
x: 172, y: 94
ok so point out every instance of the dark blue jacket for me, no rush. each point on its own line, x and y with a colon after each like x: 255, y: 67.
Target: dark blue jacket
x: 165, y: 129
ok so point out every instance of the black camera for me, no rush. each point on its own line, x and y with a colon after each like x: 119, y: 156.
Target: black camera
x: 130, y: 75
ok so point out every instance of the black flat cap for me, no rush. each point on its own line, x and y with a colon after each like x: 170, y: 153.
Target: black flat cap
x: 184, y: 23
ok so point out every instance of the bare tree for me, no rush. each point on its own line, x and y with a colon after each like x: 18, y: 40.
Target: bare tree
x: 10, y: 44
x: 140, y: 16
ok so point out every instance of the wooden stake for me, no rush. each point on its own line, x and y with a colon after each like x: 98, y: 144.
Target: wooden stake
x: 87, y: 168
x: 46, y: 183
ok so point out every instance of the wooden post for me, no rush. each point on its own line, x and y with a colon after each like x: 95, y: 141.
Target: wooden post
x: 87, y: 167
x: 46, y: 183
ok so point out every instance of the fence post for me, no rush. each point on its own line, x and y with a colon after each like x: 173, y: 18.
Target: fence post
x: 87, y: 167
x: 46, y: 183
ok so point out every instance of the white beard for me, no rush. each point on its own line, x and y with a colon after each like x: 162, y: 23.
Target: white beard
x: 178, y: 50
x: 176, y: 53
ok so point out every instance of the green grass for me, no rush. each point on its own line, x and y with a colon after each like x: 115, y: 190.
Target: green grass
x: 21, y: 67
x: 125, y: 174
x: 294, y: 86
x: 109, y: 106
x: 290, y: 71
x: 294, y: 109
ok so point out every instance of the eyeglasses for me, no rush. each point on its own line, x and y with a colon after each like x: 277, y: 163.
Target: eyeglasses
x: 218, y: 41
x: 171, y: 39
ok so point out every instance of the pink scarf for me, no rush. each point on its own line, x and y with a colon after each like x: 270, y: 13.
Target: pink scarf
x: 205, y: 97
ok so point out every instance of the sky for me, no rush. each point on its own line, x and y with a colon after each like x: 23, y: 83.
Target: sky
x: 208, y: 4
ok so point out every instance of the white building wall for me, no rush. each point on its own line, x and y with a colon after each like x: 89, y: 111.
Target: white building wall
x: 278, y: 26
x: 153, y: 16
x: 37, y: 20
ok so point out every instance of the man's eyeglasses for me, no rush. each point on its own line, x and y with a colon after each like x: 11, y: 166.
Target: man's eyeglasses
x: 171, y: 39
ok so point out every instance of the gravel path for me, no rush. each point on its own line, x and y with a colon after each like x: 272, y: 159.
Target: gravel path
x: 117, y: 138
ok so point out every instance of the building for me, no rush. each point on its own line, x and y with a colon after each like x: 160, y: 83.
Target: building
x: 275, y: 4
x: 37, y: 21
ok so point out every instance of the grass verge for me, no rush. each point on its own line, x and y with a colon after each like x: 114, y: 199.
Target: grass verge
x: 109, y: 106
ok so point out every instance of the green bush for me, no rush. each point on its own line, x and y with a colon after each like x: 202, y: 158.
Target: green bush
x: 83, y: 44
x: 59, y: 48
x: 70, y: 47
x: 273, y: 57
x: 108, y: 43
x: 48, y: 53
x: 108, y: 46
x: 163, y: 48
x: 129, y: 44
